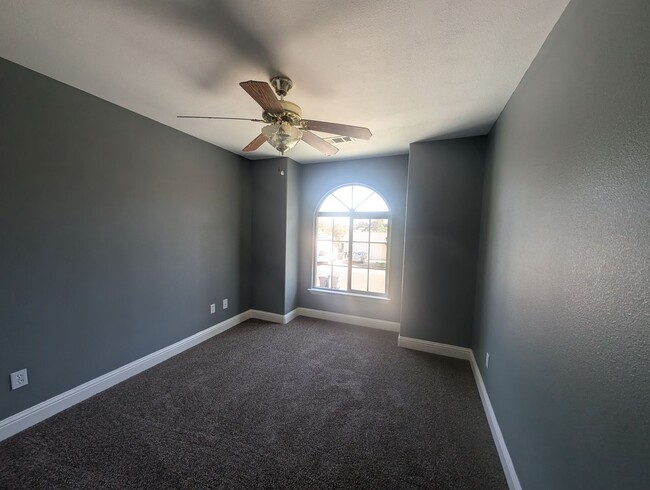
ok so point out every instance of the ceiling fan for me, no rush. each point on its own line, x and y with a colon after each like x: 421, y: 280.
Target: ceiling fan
x: 286, y: 127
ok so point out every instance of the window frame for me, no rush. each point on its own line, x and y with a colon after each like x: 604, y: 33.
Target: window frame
x: 352, y: 215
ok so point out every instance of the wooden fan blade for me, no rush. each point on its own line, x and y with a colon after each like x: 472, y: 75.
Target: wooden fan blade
x: 319, y: 143
x: 216, y: 117
x: 255, y: 144
x: 263, y: 95
x: 340, y: 129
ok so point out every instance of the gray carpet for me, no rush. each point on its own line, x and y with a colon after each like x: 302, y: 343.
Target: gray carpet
x: 311, y: 404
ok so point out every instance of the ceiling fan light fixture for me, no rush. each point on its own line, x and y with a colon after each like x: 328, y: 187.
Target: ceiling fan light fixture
x: 282, y: 136
x: 286, y: 127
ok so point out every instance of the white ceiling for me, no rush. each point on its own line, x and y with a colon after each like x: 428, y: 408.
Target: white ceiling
x: 408, y: 70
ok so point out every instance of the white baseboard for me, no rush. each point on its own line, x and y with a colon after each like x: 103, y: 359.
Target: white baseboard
x: 502, y: 449
x: 325, y: 315
x: 33, y: 415
x: 291, y: 315
x: 435, y: 348
x: 22, y: 420
x: 274, y: 317
x: 468, y: 354
x: 351, y: 319
x: 267, y: 316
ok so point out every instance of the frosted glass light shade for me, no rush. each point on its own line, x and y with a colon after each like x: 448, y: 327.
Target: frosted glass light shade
x: 282, y: 136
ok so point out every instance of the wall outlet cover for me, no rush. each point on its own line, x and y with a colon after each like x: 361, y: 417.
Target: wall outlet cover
x: 213, y: 308
x: 18, y: 379
x: 225, y: 303
x: 487, y: 359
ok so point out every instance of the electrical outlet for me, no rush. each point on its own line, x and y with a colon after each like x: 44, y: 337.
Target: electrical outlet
x: 487, y: 359
x: 213, y: 308
x: 225, y: 303
x: 18, y: 379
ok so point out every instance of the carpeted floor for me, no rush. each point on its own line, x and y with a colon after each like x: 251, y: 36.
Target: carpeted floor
x: 310, y: 404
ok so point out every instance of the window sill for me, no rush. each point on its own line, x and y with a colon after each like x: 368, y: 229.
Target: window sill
x: 328, y: 292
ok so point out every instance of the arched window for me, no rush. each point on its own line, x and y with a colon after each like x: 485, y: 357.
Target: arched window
x: 351, y: 241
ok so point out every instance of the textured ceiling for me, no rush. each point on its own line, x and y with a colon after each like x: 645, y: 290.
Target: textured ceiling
x: 408, y: 70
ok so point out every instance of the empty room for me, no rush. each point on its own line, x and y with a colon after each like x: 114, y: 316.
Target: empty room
x: 365, y: 244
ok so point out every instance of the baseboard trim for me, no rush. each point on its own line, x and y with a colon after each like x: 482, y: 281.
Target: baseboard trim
x: 325, y: 315
x: 291, y: 315
x: 351, y: 319
x: 274, y: 317
x: 502, y: 449
x: 468, y: 354
x: 267, y: 316
x: 33, y: 415
x: 435, y: 348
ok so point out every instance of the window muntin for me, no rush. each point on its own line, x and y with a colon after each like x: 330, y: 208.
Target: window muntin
x: 352, y: 242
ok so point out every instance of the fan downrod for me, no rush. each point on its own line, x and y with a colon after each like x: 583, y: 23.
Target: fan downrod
x: 282, y: 85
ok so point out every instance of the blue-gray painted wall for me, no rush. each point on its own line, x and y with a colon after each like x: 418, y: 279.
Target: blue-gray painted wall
x: 268, y: 262
x: 116, y: 234
x: 443, y: 215
x: 565, y: 308
x: 293, y: 173
x: 275, y: 218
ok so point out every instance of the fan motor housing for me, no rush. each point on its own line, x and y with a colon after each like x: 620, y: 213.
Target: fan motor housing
x: 292, y: 114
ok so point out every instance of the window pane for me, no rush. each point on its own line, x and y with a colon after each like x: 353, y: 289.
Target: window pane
x: 323, y: 252
x: 340, y: 253
x: 323, y: 276
x: 324, y: 228
x: 377, y: 251
x: 332, y: 204
x: 378, y: 255
x: 341, y: 229
x: 379, y: 230
x: 360, y: 279
x: 360, y: 194
x: 360, y: 255
x: 324, y: 245
x: 377, y: 282
x: 361, y: 230
x: 345, y: 195
x: 373, y: 203
x: 339, y: 279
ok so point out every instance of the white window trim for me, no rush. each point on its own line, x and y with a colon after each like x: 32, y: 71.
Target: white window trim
x: 336, y: 292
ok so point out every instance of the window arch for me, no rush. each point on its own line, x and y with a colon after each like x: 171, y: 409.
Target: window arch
x: 351, y: 240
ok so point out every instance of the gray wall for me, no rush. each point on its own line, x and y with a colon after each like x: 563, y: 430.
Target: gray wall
x: 445, y: 188
x: 387, y: 175
x: 269, y: 234
x: 565, y: 312
x: 117, y: 233
x: 293, y: 173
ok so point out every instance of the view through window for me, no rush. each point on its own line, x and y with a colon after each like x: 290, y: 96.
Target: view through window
x: 351, y: 252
